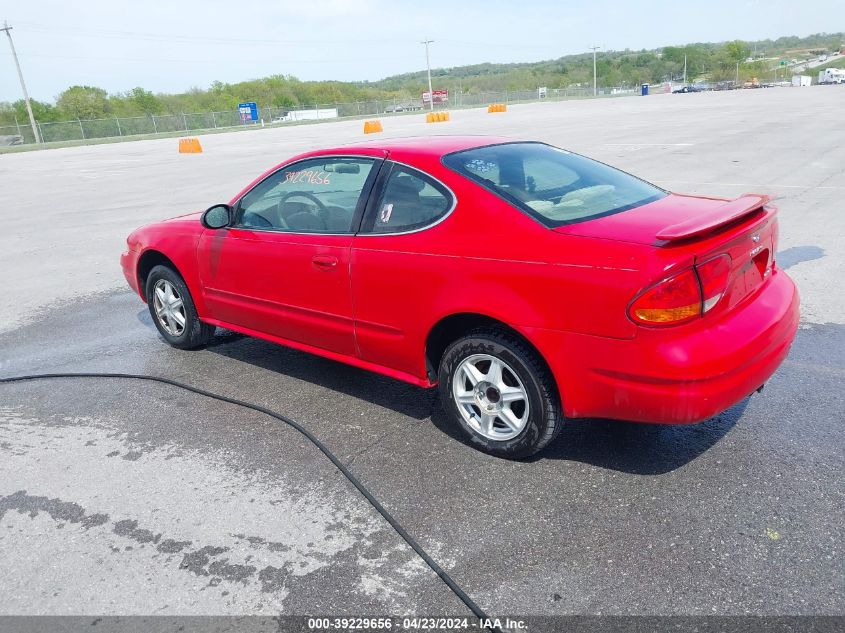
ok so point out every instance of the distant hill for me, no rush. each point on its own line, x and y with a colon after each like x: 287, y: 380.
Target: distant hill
x: 624, y: 67
x: 711, y: 61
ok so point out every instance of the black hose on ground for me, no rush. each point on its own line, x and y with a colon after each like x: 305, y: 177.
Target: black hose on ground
x: 437, y: 569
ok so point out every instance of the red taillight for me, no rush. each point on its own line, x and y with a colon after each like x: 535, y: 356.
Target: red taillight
x: 713, y: 275
x: 672, y: 301
x: 684, y: 296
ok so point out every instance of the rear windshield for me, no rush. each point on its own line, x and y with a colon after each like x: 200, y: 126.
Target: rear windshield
x: 551, y: 184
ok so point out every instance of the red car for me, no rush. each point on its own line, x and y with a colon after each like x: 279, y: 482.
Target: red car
x: 532, y: 284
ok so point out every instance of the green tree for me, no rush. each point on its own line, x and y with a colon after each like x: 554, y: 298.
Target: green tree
x: 43, y: 112
x: 83, y: 102
x: 144, y: 100
x: 737, y: 51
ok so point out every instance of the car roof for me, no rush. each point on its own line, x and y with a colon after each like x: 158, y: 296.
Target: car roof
x: 428, y: 145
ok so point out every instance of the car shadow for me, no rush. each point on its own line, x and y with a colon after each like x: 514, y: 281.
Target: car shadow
x: 629, y: 447
x: 406, y: 399
x: 642, y: 449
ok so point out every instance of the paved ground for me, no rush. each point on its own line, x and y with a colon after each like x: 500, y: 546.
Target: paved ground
x: 125, y: 498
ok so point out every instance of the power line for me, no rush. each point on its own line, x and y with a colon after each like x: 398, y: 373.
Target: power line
x: 115, y: 58
x: 8, y: 30
x: 179, y: 39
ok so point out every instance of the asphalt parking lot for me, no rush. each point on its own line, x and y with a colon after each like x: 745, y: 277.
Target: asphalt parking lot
x: 121, y: 497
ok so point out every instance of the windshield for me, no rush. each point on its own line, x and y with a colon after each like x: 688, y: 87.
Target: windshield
x: 555, y: 186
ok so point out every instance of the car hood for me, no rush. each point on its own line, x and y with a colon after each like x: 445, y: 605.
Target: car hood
x: 673, y: 217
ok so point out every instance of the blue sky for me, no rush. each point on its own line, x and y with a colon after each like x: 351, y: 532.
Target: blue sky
x: 172, y: 46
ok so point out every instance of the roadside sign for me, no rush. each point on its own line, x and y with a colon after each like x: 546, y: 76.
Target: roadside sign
x: 248, y: 111
x: 440, y: 96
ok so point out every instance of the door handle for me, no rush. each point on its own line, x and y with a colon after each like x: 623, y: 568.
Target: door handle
x: 324, y: 262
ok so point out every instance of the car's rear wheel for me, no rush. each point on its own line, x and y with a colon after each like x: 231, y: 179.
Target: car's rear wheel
x: 500, y: 393
x: 173, y: 310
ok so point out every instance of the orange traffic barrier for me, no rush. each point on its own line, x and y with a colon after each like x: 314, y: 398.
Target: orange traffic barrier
x: 497, y: 107
x: 436, y: 117
x: 190, y: 146
x: 371, y: 127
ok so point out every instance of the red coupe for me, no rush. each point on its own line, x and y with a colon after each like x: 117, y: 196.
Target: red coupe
x: 531, y: 283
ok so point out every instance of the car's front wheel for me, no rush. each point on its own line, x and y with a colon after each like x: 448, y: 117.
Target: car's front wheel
x: 173, y: 310
x: 500, y: 393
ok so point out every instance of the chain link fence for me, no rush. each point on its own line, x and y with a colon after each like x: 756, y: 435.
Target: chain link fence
x: 115, y: 127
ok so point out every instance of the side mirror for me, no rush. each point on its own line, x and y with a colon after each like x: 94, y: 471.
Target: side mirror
x: 217, y: 217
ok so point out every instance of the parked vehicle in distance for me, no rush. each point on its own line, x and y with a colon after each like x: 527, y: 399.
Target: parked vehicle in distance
x: 531, y: 284
x: 307, y: 115
x: 407, y: 106
x: 832, y: 76
x: 686, y: 89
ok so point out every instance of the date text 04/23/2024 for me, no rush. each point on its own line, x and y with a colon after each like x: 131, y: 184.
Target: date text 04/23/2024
x: 413, y: 624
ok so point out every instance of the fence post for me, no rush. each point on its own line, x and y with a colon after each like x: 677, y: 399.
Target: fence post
x: 119, y: 131
x: 269, y: 115
x: 81, y: 129
x: 155, y: 127
x: 18, y: 125
x: 214, y: 119
x: 185, y: 121
x: 40, y: 132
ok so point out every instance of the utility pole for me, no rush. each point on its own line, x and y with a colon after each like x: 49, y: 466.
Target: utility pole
x: 428, y: 66
x: 35, y: 133
x: 685, y: 69
x: 595, y: 84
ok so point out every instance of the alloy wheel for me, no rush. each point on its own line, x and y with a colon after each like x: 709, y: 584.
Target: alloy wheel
x: 490, y: 397
x: 169, y: 307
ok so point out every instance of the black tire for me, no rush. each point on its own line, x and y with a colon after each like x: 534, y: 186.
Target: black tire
x: 544, y: 417
x: 194, y: 333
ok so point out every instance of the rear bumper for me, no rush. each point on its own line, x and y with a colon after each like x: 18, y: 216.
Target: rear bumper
x: 678, y: 375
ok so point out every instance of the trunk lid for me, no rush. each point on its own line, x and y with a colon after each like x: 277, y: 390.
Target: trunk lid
x: 683, y: 227
x: 672, y: 218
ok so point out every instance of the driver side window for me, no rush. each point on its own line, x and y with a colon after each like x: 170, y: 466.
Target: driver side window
x: 319, y: 195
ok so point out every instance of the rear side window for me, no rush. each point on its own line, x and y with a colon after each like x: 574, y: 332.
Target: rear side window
x: 411, y: 201
x: 552, y: 185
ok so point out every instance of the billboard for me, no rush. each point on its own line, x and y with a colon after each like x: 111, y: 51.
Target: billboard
x: 248, y: 111
x: 440, y: 96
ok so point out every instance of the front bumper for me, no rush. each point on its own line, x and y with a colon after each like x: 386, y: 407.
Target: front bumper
x: 129, y: 264
x: 675, y: 375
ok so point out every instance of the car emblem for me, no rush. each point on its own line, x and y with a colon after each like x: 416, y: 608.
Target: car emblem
x: 755, y: 238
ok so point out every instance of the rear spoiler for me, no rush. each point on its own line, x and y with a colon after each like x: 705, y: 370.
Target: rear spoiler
x: 710, y: 221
